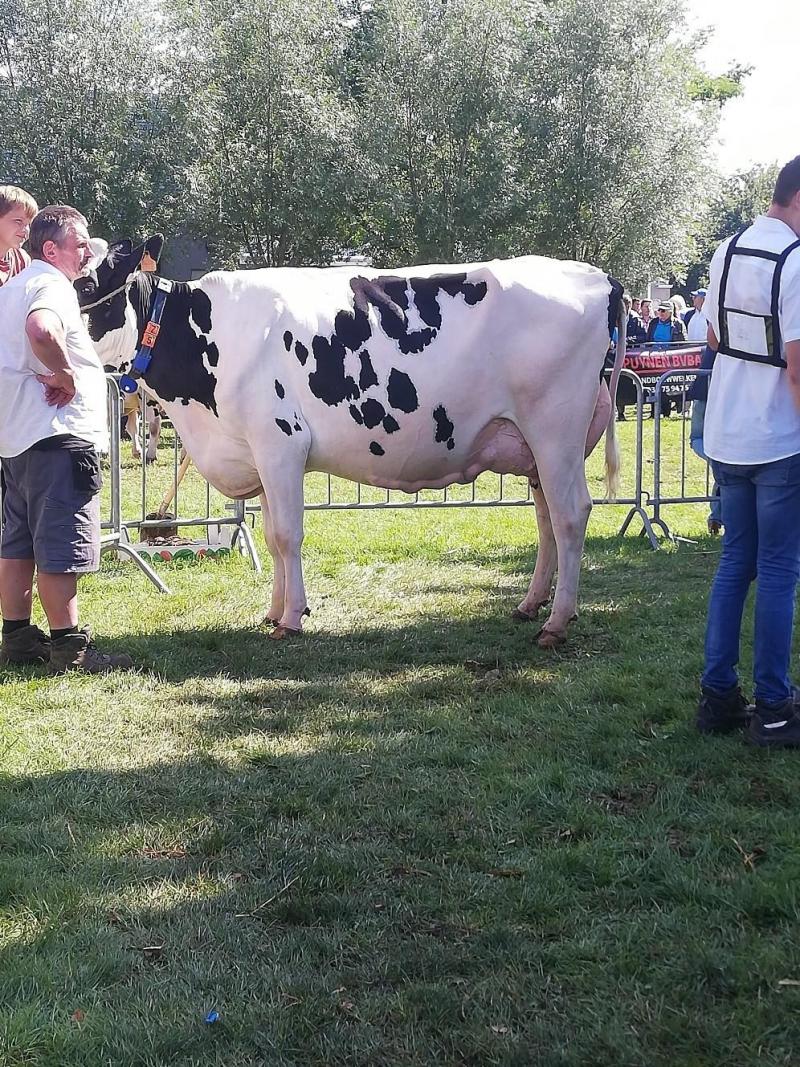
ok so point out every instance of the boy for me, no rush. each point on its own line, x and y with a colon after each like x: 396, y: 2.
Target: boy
x: 17, y: 209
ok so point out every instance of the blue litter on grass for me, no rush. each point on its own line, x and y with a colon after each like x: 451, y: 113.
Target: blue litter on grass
x: 212, y: 1017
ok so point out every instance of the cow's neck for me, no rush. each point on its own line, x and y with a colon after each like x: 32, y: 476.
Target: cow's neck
x: 183, y: 361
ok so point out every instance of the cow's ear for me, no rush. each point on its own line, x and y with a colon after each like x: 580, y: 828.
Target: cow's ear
x: 154, y: 246
x: 120, y: 250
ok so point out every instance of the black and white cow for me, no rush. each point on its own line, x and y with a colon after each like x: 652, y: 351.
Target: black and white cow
x: 134, y: 406
x: 406, y: 379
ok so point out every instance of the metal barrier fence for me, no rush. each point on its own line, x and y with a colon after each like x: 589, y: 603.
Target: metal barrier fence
x: 132, y: 510
x: 326, y: 493
x: 128, y: 502
x: 692, y: 482
x: 129, y: 505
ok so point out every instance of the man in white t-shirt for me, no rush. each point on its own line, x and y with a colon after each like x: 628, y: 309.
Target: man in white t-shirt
x: 695, y: 319
x: 53, y: 424
x: 752, y: 437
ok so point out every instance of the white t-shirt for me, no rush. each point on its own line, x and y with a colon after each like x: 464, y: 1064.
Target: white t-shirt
x: 751, y: 417
x: 25, y: 416
x: 697, y: 330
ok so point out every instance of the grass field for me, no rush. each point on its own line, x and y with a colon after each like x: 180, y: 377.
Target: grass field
x: 410, y: 837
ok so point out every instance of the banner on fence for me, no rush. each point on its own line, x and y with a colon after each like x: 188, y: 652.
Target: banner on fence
x: 649, y: 364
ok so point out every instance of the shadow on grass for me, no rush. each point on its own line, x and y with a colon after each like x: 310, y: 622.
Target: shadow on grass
x: 620, y: 578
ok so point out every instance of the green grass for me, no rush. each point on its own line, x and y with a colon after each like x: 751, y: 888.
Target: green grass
x: 411, y: 837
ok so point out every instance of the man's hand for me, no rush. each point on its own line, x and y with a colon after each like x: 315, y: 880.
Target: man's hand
x: 59, y: 388
x: 46, y: 337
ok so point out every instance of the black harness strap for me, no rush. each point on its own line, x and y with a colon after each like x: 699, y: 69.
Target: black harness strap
x: 777, y: 338
x: 772, y: 321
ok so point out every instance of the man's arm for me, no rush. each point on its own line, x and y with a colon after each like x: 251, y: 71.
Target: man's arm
x: 46, y: 336
x: 792, y: 354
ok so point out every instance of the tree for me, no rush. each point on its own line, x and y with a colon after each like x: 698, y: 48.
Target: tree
x: 275, y: 174
x: 737, y: 201
x: 612, y: 141
x: 435, y: 120
x: 88, y: 111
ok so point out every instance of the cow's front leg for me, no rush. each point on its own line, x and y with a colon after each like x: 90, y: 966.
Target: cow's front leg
x: 282, y: 480
x: 541, y: 586
x: 278, y: 573
x: 132, y: 429
x: 153, y: 430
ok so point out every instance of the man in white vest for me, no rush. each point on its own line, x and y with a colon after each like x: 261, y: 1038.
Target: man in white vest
x: 752, y: 437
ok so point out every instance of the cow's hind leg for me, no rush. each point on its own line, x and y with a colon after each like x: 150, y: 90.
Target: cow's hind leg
x: 541, y: 586
x: 563, y: 480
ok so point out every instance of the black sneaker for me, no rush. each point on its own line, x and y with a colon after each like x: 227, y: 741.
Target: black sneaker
x: 722, y: 713
x: 776, y: 727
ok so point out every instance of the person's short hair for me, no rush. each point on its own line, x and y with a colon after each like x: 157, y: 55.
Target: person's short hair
x: 12, y: 196
x: 788, y: 183
x: 52, y: 224
x: 626, y: 300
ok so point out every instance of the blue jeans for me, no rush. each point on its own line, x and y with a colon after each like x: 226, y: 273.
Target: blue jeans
x: 761, y: 516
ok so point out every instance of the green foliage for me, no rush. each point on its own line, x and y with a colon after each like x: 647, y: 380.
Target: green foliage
x: 288, y: 132
x: 734, y: 205
x: 720, y: 89
x: 88, y: 112
x: 609, y: 138
x: 275, y: 172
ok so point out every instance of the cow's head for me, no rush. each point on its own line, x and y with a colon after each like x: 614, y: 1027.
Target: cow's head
x: 103, y: 295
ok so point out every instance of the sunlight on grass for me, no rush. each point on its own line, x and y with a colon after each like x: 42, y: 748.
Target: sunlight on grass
x: 409, y: 837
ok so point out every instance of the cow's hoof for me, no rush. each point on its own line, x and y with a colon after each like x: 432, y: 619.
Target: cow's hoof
x: 550, y: 639
x: 520, y: 615
x: 307, y: 611
x: 267, y: 621
x: 280, y: 633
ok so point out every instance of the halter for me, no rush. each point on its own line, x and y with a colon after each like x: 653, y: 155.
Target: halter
x: 109, y: 296
x: 144, y: 354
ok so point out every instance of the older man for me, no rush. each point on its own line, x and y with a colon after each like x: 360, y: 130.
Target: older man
x: 53, y: 423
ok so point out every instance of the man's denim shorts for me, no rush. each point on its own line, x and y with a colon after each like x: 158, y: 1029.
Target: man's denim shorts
x: 51, y: 506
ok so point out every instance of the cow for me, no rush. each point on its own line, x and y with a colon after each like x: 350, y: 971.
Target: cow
x: 132, y: 409
x: 134, y: 405
x: 406, y: 379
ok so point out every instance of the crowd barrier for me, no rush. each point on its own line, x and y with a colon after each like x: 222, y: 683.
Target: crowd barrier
x: 688, y: 482
x: 137, y: 525
x: 154, y: 503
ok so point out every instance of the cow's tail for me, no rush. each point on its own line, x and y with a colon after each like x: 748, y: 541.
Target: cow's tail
x: 612, y: 446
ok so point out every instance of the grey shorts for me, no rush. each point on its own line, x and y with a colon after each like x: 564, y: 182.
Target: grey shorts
x: 51, y: 508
